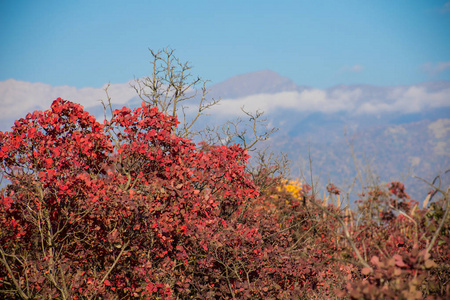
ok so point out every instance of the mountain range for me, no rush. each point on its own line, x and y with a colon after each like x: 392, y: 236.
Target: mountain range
x: 396, y: 133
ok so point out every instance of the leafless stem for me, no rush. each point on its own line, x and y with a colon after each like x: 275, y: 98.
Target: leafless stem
x: 15, y: 281
x: 446, y: 194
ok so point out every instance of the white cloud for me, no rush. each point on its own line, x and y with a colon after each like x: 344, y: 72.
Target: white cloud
x: 18, y: 97
x: 446, y: 7
x: 437, y: 68
x: 410, y: 99
x: 309, y: 101
x: 356, y: 100
x: 357, y: 68
x: 440, y: 128
x: 354, y: 69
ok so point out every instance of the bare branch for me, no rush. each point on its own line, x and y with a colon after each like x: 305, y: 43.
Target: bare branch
x: 171, y: 85
x: 15, y: 281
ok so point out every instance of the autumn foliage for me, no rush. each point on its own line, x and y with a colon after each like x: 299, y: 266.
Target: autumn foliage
x: 129, y: 209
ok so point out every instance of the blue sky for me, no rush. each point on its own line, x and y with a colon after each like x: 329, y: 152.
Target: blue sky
x: 316, y: 43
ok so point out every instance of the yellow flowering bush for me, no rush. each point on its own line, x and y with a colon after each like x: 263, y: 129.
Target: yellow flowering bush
x: 294, y: 187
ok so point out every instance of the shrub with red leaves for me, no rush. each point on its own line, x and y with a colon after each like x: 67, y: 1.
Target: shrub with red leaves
x: 128, y: 209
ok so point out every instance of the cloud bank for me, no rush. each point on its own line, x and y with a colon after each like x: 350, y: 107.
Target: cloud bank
x: 352, y: 99
x: 308, y: 100
x: 446, y: 8
x: 437, y: 68
x: 18, y: 97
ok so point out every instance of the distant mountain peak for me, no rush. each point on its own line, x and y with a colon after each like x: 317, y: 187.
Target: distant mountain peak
x: 262, y: 75
x: 259, y: 82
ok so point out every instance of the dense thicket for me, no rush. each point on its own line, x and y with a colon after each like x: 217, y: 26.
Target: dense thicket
x: 128, y: 209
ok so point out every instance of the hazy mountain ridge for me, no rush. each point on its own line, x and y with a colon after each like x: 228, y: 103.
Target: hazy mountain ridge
x: 390, y: 152
x: 394, y: 145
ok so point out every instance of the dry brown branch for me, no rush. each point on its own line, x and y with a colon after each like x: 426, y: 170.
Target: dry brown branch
x: 446, y: 195
x: 17, y: 286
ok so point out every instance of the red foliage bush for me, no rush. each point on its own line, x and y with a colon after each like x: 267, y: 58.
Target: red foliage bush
x: 88, y: 213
